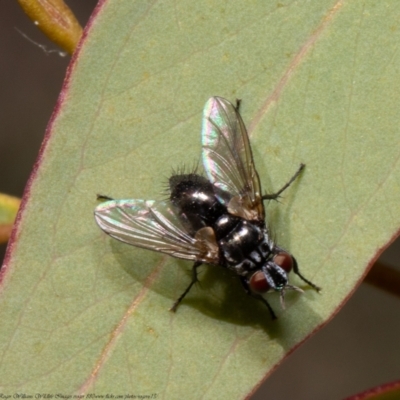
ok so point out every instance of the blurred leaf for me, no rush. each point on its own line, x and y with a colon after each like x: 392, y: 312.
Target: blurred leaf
x: 9, y: 206
x: 388, y: 391
x: 56, y: 20
x: 83, y: 313
x: 385, y: 278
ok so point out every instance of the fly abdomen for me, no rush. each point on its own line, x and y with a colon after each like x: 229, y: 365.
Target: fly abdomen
x: 194, y: 197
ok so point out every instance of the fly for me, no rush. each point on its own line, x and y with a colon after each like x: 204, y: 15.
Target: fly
x: 218, y: 219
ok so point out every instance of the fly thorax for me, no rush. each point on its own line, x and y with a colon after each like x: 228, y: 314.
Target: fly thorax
x: 265, y: 246
x: 240, y: 242
x: 256, y: 258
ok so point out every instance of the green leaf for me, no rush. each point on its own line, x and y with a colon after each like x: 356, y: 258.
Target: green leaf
x: 82, y: 313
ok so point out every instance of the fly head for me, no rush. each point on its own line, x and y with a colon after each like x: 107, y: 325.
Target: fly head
x: 274, y: 275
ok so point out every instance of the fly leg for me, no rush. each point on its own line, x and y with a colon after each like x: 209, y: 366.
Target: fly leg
x: 103, y: 197
x: 237, y: 105
x: 257, y: 296
x: 194, y: 280
x: 274, y: 196
x: 298, y: 273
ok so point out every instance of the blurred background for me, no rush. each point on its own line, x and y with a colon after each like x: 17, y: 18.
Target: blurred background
x: 357, y: 350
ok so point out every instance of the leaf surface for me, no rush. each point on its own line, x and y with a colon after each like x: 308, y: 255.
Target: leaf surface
x: 82, y: 313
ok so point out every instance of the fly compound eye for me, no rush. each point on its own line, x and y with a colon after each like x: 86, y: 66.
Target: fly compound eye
x: 283, y: 260
x: 258, y: 283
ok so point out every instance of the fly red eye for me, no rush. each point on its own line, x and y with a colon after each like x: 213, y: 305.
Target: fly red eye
x: 258, y: 283
x: 284, y: 260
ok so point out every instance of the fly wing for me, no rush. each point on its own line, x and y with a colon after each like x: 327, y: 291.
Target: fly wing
x: 153, y: 226
x: 228, y: 160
